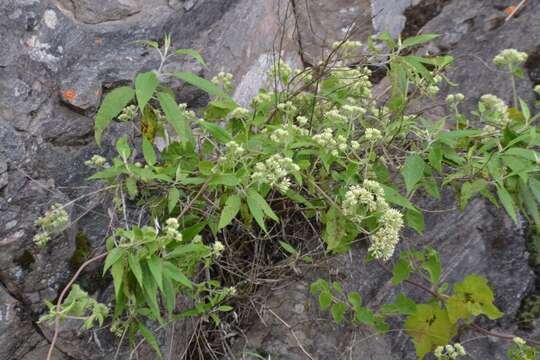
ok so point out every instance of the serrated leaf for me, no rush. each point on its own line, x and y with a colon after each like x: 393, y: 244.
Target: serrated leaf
x: 122, y: 147
x: 136, y: 269
x: 221, y: 135
x: 172, y: 199
x: 288, y: 247
x: 415, y: 219
x: 117, y: 272
x: 156, y: 269
x: 203, y: 84
x: 224, y: 179
x: 230, y: 210
x: 112, y: 105
x: 400, y: 272
x: 194, y: 54
x: 145, y: 85
x: 150, y: 339
x: 131, y: 186
x: 433, y: 266
x: 429, y: 327
x: 475, y: 292
x: 148, y: 152
x: 507, y: 202
x: 176, y: 274
x: 169, y: 295
x: 175, y: 117
x: 412, y: 171
x: 419, y: 39
x: 114, y: 255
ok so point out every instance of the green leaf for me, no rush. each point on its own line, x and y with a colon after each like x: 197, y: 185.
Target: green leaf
x: 415, y: 219
x: 524, y: 153
x: 400, y: 272
x: 457, y: 309
x: 145, y: 85
x: 225, y: 179
x: 419, y: 39
x: 262, y: 204
x: 325, y: 300
x: 355, y: 299
x: 230, y: 210
x: 469, y: 190
x: 175, y: 117
x: 194, y: 54
x: 475, y: 292
x: 169, y: 295
x: 172, y: 199
x: 156, y: 268
x: 507, y: 202
x: 535, y: 188
x: 221, y: 135
x: 288, y: 247
x: 113, y: 256
x: 429, y: 327
x: 135, y: 267
x: 123, y: 148
x: 338, y: 310
x: 435, y: 157
x: 393, y: 196
x: 203, y: 84
x: 433, y: 266
x: 112, y: 105
x: 412, y: 171
x: 176, y: 274
x: 117, y: 272
x: 402, y: 306
x: 148, y: 152
x: 131, y: 186
x: 150, y: 339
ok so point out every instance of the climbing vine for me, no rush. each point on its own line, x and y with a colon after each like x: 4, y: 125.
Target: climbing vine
x: 318, y: 145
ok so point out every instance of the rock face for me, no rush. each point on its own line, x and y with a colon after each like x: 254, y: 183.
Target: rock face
x: 58, y: 58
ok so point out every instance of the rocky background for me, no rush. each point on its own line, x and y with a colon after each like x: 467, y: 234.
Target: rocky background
x: 57, y: 57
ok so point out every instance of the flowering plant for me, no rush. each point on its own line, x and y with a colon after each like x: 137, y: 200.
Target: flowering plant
x: 321, y: 146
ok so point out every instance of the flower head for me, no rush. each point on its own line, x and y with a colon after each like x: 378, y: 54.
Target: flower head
x: 510, y: 57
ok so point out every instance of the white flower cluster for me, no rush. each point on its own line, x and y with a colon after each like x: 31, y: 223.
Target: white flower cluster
x: 369, y: 196
x: 274, y: 172
x: 234, y: 149
x: 302, y: 120
x: 510, y: 57
x: 353, y: 111
x: 335, y: 117
x: 333, y: 144
x: 224, y: 80
x: 217, y: 249
x: 449, y: 352
x: 52, y: 222
x: 261, y: 98
x: 96, y: 161
x: 280, y: 71
x: 171, y: 229
x: 433, y: 89
x: 455, y: 98
x: 240, y: 113
x: 372, y: 135
x: 385, y: 239
x: 190, y: 114
x: 287, y: 133
x: 496, y: 108
x: 128, y: 113
x: 346, y: 48
x: 287, y: 107
x: 355, y: 80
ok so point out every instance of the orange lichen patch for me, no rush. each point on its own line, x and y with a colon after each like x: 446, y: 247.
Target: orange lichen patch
x: 510, y: 10
x: 69, y: 94
x: 98, y: 40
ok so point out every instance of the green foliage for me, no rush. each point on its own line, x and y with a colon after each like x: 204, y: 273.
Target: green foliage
x: 320, y: 147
